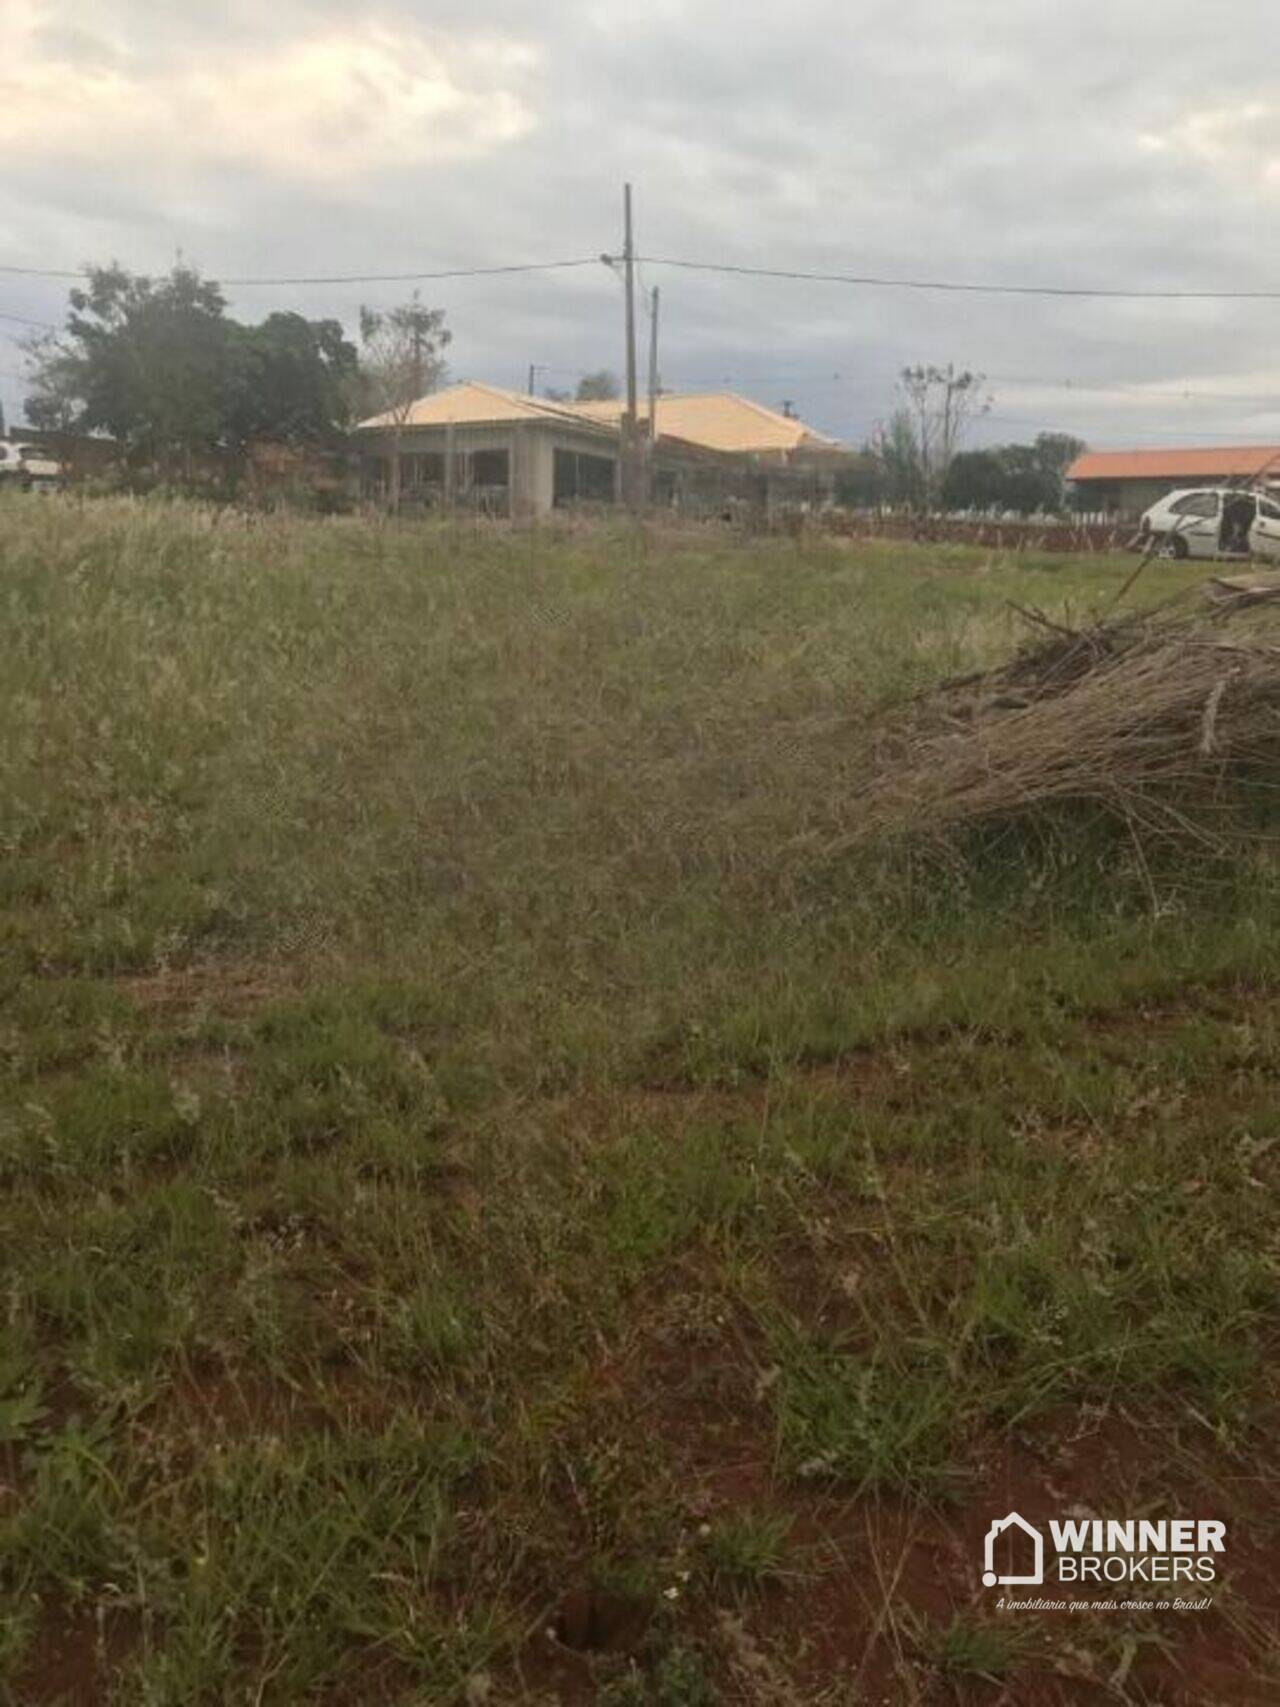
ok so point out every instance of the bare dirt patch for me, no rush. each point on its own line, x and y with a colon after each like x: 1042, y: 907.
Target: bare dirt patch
x: 75, y: 1656
x: 872, y: 1584
x: 227, y: 988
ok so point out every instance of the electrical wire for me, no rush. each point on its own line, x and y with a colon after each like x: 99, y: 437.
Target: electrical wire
x: 743, y: 270
x: 340, y: 278
x: 966, y: 287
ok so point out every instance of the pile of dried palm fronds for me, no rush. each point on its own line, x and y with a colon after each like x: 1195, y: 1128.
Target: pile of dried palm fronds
x: 1158, y: 718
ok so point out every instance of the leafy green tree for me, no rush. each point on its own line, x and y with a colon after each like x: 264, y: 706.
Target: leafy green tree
x: 1022, y: 478
x: 1055, y: 452
x: 599, y: 387
x: 158, y: 366
x: 290, y: 381
x: 143, y: 360
x: 1029, y: 487
x: 975, y: 481
x: 900, y: 456
x: 861, y: 480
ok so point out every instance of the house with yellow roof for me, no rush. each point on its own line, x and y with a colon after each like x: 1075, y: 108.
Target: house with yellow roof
x: 514, y: 455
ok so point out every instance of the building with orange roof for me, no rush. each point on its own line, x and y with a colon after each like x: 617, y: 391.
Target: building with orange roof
x: 1129, y: 481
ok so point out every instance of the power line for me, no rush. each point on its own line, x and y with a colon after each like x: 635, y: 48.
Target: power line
x: 46, y: 272
x: 339, y: 278
x: 877, y: 281
x: 975, y: 288
x: 21, y: 320
x: 1177, y: 391
x: 1045, y: 423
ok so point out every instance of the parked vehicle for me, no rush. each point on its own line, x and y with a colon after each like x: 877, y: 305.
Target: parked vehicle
x: 27, y: 466
x: 1203, y: 521
x: 1264, y: 535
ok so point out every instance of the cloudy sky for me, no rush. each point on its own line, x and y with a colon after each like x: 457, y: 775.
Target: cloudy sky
x: 1105, y: 144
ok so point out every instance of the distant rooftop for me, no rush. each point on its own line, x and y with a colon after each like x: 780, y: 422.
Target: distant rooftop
x: 711, y: 420
x: 1214, y: 462
x: 473, y: 404
x: 719, y: 420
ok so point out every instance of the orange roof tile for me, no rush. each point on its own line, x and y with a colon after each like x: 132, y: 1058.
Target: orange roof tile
x: 1217, y: 462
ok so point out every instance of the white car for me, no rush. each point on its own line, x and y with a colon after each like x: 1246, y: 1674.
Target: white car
x: 1264, y: 535
x: 1204, y: 521
x: 28, y: 467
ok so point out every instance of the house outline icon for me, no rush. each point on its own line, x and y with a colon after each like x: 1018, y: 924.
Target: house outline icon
x: 990, y: 1576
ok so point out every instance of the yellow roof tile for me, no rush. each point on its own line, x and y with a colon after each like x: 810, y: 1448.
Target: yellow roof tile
x: 474, y: 404
x: 718, y: 420
x: 711, y: 420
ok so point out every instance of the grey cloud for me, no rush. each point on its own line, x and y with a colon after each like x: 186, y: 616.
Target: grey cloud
x: 965, y: 139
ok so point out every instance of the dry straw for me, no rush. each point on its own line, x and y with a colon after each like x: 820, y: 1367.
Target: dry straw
x: 1158, y: 718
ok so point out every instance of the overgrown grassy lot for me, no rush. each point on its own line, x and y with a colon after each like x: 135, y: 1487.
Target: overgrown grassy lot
x: 498, y: 1208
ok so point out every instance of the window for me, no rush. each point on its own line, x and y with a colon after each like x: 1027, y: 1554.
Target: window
x: 580, y: 477
x: 1196, y: 504
x: 424, y: 468
x: 489, y: 468
x: 1270, y: 511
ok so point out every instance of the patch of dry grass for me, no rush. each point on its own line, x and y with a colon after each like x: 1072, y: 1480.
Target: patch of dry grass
x: 1169, y: 722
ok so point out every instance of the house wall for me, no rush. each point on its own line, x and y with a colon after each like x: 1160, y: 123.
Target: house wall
x: 539, y: 474
x: 1129, y: 497
x: 537, y: 456
x: 1132, y: 497
x: 530, y: 447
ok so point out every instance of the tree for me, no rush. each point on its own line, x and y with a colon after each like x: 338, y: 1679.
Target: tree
x: 939, y: 403
x: 1055, y: 452
x: 860, y: 481
x: 144, y: 360
x: 159, y: 366
x: 290, y: 381
x: 976, y: 480
x: 1024, y: 478
x: 402, y: 361
x: 599, y: 387
x: 897, y: 449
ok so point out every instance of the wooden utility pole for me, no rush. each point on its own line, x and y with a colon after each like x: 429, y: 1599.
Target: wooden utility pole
x: 653, y: 364
x: 630, y: 436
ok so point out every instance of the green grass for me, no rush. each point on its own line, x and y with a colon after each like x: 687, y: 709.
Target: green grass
x: 968, y: 1648
x: 462, y: 1128
x: 749, y: 1548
